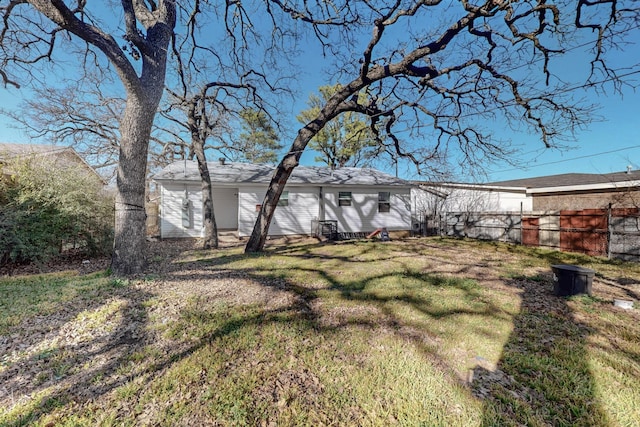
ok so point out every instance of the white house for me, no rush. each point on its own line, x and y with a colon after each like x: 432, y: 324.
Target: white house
x: 354, y: 199
x: 439, y: 206
x: 431, y: 199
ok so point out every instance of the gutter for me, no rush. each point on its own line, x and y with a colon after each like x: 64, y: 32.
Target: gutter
x: 585, y: 187
x: 480, y: 187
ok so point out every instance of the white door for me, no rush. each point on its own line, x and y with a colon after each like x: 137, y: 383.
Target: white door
x: 225, y: 208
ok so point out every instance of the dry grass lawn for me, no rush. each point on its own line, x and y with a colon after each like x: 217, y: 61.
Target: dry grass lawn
x: 417, y: 332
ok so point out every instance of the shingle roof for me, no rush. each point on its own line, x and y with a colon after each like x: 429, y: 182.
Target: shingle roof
x: 13, y: 150
x: 244, y: 173
x: 570, y: 179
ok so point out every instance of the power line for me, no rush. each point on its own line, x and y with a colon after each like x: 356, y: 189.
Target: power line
x: 586, y: 156
x: 541, y: 95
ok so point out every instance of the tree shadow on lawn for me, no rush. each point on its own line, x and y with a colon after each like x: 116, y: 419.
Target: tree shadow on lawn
x: 543, y: 376
x: 79, y: 350
x: 360, y: 303
x: 55, y: 373
x: 531, y: 366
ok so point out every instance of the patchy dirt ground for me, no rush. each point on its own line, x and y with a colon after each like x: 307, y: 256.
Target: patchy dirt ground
x: 159, y: 252
x: 90, y: 348
x: 73, y: 351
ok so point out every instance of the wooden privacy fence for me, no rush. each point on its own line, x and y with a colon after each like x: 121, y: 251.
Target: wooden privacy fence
x: 613, y: 232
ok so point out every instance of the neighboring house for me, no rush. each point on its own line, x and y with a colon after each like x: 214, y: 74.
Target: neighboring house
x: 355, y: 199
x: 571, y: 191
x: 576, y: 191
x: 430, y: 198
x: 53, y: 155
x: 566, y: 211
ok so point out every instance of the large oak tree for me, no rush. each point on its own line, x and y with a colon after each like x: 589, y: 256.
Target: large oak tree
x: 34, y: 30
x: 450, y: 72
x: 218, y: 62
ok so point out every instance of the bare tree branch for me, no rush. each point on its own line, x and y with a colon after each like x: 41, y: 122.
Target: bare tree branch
x: 476, y: 61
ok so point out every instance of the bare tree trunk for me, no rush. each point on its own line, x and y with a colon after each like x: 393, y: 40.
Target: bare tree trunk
x: 129, y: 247
x: 208, y: 216
x: 278, y: 181
x: 209, y: 219
x: 143, y: 98
x: 335, y: 106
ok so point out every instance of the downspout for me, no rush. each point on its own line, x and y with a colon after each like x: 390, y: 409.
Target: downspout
x: 321, y: 208
x: 610, y: 229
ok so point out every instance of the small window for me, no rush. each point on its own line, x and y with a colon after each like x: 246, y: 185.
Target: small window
x: 284, y: 199
x: 384, y: 201
x: 344, y: 198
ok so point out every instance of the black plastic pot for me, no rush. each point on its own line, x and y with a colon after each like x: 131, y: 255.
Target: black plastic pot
x: 571, y: 280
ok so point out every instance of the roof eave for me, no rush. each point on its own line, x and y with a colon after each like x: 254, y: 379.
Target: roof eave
x: 480, y: 187
x: 585, y: 187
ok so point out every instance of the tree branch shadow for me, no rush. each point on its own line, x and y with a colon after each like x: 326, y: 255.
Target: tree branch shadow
x: 88, y: 340
x: 543, y: 376
x: 537, y: 382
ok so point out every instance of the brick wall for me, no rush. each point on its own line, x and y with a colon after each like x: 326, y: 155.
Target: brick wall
x: 586, y: 201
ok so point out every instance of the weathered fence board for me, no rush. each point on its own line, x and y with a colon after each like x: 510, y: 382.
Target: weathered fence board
x: 600, y: 232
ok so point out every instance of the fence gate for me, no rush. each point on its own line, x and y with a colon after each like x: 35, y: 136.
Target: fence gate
x: 531, y: 231
x: 584, y: 231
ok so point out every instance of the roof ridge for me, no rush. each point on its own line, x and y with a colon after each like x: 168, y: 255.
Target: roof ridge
x: 237, y: 173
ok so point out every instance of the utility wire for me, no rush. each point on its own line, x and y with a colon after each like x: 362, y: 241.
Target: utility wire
x: 541, y: 95
x: 586, y: 156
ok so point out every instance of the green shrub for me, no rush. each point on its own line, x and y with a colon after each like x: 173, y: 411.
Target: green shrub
x: 46, y: 209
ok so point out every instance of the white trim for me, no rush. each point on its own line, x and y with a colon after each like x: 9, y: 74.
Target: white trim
x: 585, y: 187
x: 481, y: 187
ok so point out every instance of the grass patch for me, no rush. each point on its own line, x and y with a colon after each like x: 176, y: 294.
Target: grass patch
x: 28, y: 296
x: 363, y: 333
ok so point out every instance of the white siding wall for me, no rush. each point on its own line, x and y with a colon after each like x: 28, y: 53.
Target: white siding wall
x: 225, y: 209
x: 363, y: 213
x: 171, y: 210
x: 293, y: 219
x: 237, y: 209
x: 467, y: 200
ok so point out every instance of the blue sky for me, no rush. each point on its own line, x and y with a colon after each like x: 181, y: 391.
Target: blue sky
x: 607, y: 145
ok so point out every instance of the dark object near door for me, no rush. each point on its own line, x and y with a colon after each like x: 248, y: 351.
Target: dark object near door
x: 571, y: 280
x: 329, y: 229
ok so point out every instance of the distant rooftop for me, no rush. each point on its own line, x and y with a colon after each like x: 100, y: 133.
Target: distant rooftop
x: 244, y: 173
x: 61, y: 155
x: 570, y: 179
x: 17, y: 150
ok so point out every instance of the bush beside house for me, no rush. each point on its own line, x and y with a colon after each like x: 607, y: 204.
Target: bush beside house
x: 47, y: 207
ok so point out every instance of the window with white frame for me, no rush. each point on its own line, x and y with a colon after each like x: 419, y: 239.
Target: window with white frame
x: 284, y: 199
x: 344, y: 198
x: 384, y: 201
